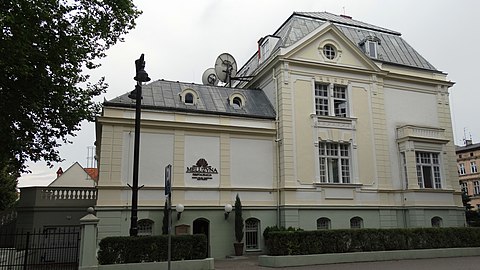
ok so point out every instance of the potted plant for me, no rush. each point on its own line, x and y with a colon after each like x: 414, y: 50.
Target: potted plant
x: 238, y: 227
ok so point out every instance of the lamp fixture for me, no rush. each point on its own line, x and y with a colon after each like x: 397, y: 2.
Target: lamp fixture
x: 228, y: 209
x: 179, y: 208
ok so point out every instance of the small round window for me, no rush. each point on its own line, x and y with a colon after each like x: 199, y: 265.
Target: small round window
x: 189, y: 98
x: 237, y: 102
x: 329, y: 51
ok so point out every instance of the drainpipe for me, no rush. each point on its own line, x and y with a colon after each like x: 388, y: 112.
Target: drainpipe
x: 278, y: 142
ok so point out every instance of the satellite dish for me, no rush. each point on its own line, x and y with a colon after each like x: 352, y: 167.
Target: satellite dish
x: 225, y: 67
x: 209, y: 77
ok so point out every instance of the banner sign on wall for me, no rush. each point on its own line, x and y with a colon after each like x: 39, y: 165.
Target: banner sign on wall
x: 201, y: 171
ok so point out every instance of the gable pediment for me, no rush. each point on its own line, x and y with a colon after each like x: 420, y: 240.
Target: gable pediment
x: 328, y: 45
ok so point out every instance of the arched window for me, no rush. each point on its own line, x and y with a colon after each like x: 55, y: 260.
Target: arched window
x: 237, y: 103
x: 188, y: 98
x: 145, y: 227
x: 323, y: 223
x: 437, y: 222
x: 356, y: 223
x: 252, y: 228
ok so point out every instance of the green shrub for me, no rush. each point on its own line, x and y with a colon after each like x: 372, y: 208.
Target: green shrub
x: 281, y: 241
x: 126, y: 249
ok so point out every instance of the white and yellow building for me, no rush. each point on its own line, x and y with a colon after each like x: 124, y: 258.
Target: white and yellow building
x: 343, y: 125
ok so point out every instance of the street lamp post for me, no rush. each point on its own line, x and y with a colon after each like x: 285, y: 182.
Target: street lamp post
x: 141, y: 76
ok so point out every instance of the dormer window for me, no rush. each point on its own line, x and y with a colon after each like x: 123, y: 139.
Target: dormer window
x: 370, y: 46
x: 237, y: 101
x: 189, y: 97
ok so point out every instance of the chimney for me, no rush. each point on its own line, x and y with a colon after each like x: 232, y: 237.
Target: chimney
x: 259, y: 42
x: 59, y: 172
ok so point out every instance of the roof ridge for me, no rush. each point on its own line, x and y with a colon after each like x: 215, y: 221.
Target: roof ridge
x: 343, y: 20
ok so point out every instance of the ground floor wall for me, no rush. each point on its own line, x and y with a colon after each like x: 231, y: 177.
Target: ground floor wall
x: 211, y: 221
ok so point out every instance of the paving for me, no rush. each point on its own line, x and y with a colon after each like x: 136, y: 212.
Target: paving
x: 460, y: 263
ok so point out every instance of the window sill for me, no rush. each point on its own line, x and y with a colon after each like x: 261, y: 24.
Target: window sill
x: 334, y: 122
x: 340, y: 185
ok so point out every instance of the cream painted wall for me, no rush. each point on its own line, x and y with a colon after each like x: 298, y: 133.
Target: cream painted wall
x: 252, y: 163
x: 303, y: 104
x: 406, y: 107
x: 365, y: 155
x: 156, y: 153
x: 208, y: 148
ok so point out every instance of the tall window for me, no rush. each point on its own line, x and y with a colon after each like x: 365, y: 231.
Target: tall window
x: 331, y: 101
x: 252, y: 227
x: 428, y: 170
x: 404, y: 164
x: 476, y: 188
x: 464, y: 186
x: 323, y: 223
x: 461, y: 169
x: 334, y: 162
x: 356, y: 223
x: 340, y: 100
x: 321, y: 99
x: 473, y: 167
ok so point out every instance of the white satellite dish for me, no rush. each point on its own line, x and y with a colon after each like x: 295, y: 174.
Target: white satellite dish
x: 225, y: 67
x: 209, y: 77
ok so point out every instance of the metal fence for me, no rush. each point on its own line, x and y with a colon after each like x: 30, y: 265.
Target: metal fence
x: 46, y: 248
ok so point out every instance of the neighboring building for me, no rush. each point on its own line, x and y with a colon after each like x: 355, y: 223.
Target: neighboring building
x: 76, y: 176
x: 468, y: 171
x: 60, y: 204
x: 343, y: 125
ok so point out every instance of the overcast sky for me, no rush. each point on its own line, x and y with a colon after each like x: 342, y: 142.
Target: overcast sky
x: 180, y: 39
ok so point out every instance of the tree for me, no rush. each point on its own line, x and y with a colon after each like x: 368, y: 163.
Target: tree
x: 8, y: 188
x: 238, y: 220
x: 46, y: 46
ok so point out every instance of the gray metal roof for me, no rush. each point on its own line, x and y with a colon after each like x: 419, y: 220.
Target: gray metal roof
x: 165, y: 95
x: 466, y: 148
x: 392, y: 48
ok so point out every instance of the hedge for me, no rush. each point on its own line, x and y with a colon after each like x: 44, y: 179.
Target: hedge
x: 126, y: 249
x: 284, y: 242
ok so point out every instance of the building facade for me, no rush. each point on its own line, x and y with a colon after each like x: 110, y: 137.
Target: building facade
x: 342, y: 125
x: 469, y: 175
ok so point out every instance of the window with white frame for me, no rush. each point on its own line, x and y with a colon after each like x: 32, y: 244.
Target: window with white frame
x: 323, y: 223
x: 464, y: 187
x: 331, y: 100
x: 473, y: 167
x: 461, y: 169
x: 252, y: 227
x: 334, y: 162
x: 371, y: 48
x: 476, y: 188
x: 404, y: 165
x: 428, y: 170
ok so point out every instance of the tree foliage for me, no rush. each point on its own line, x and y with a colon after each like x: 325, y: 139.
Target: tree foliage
x: 238, y: 220
x: 46, y: 48
x: 8, y: 188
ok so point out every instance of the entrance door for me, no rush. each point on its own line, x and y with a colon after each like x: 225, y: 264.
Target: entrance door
x: 202, y: 226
